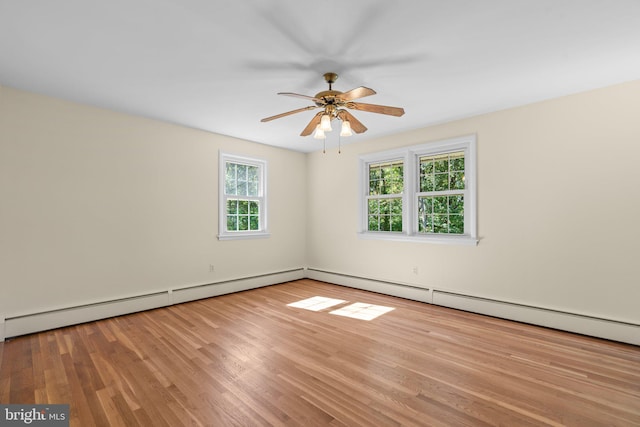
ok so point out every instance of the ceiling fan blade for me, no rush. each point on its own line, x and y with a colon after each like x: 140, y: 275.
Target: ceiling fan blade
x: 359, y: 92
x: 356, y: 125
x: 297, y: 95
x: 380, y: 109
x: 312, y: 124
x: 299, y: 110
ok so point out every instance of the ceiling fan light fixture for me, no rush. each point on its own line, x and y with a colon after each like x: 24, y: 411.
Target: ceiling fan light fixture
x: 319, y: 134
x: 346, y: 129
x: 334, y: 104
x: 325, y: 123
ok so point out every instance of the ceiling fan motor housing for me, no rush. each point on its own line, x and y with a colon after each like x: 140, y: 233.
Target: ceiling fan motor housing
x: 327, y: 96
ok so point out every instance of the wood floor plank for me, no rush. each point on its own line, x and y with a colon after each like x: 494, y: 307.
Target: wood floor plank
x: 249, y: 359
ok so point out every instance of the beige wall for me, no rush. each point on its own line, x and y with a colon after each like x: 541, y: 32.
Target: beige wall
x: 558, y: 209
x: 97, y: 205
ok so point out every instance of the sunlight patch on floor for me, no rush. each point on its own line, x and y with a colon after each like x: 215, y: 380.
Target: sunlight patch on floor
x: 316, y: 303
x: 360, y: 310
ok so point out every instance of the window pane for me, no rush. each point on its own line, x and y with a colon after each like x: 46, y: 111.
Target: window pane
x: 456, y: 224
x: 242, y: 172
x: 396, y: 223
x: 373, y: 207
x: 232, y: 206
x: 254, y: 223
x: 242, y: 188
x: 427, y: 182
x: 230, y: 188
x: 253, y: 174
x: 440, y: 204
x: 252, y: 189
x: 425, y: 204
x: 425, y: 223
x: 385, y: 223
x: 374, y: 173
x: 384, y: 214
x: 441, y: 214
x: 441, y: 182
x: 442, y: 164
x: 232, y: 223
x: 457, y: 181
x: 243, y: 223
x: 243, y: 207
x: 456, y: 204
x: 440, y: 224
x: 373, y: 223
x: 457, y: 162
x: 230, y: 171
x: 442, y: 172
x: 254, y: 208
x: 396, y: 207
x: 386, y: 178
x: 384, y: 206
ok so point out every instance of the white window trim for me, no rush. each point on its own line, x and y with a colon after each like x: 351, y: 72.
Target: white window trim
x: 223, y: 234
x: 409, y: 196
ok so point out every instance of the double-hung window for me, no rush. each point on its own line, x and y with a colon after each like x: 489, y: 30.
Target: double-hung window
x: 425, y: 193
x: 242, y: 201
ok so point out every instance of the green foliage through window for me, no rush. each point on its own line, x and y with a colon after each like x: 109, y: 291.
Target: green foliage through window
x: 386, y: 178
x: 441, y: 200
x: 442, y: 172
x: 384, y: 213
x: 441, y: 214
x: 242, y: 181
x: 243, y: 215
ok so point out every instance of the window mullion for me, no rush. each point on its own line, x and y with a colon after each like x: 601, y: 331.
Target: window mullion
x: 408, y: 204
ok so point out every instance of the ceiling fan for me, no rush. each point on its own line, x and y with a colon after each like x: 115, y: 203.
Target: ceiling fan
x: 333, y: 104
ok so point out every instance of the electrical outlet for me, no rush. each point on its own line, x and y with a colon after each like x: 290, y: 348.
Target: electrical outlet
x: 415, y: 270
x: 212, y: 268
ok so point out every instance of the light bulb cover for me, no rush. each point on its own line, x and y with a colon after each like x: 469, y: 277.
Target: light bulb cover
x: 319, y: 134
x: 346, y: 129
x: 325, y: 122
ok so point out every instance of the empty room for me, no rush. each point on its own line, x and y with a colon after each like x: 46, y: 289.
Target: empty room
x: 296, y: 213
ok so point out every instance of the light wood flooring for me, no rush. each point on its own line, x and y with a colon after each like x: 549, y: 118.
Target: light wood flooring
x: 248, y: 359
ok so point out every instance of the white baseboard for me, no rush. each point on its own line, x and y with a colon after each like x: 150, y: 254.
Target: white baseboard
x: 236, y: 285
x: 610, y: 329
x: 45, y: 320
x: 369, y: 284
x: 572, y: 322
x: 579, y: 323
x: 60, y: 317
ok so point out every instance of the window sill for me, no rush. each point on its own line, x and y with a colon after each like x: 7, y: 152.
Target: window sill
x: 244, y: 235
x: 403, y: 237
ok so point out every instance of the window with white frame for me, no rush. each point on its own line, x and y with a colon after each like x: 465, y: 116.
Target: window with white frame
x: 242, y: 201
x: 425, y: 193
x: 384, y: 199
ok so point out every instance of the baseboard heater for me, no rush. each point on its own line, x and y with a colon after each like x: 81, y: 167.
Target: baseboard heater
x: 56, y: 318
x: 580, y: 323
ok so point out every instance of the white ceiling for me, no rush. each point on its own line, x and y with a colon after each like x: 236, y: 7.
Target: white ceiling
x: 217, y: 65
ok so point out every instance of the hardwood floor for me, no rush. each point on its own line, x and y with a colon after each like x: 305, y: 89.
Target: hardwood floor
x: 248, y: 359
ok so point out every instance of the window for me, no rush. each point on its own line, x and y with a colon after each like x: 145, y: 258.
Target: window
x: 441, y: 193
x: 421, y: 193
x: 384, y: 201
x: 242, y: 197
